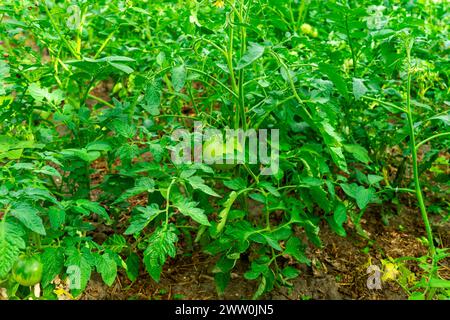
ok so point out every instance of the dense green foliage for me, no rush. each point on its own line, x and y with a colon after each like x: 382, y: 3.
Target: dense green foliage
x: 355, y: 88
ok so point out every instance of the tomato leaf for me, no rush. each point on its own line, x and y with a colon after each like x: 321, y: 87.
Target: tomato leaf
x: 198, y: 183
x: 53, y: 263
x: 11, y: 242
x: 188, y: 208
x: 143, y: 218
x: 29, y: 218
x: 161, y: 244
x: 107, y: 268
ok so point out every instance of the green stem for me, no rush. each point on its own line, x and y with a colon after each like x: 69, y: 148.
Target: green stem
x: 215, y: 80
x: 413, y: 148
x: 241, y: 94
x: 58, y: 31
x: 168, y: 203
x: 386, y: 104
x: 305, y: 113
x: 104, y: 44
x: 176, y: 116
x: 397, y: 190
x: 431, y: 138
x: 106, y: 103
x: 350, y: 45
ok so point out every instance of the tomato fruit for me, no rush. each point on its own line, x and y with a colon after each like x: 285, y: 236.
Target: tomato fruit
x: 306, y: 28
x: 27, y: 271
x: 214, y: 149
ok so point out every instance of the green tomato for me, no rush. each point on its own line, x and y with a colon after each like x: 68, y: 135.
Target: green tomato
x: 214, y: 149
x: 306, y: 28
x: 27, y: 271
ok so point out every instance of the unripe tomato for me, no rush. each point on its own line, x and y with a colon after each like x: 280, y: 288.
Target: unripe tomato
x: 306, y: 28
x: 27, y: 271
x: 215, y: 149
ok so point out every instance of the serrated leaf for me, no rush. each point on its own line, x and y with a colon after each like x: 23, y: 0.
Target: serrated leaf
x: 188, y: 208
x: 161, y: 244
x: 57, y: 217
x: 11, y: 242
x: 124, y: 129
x: 445, y: 118
x: 83, y: 154
x: 338, y: 157
x: 198, y: 183
x: 201, y: 166
x: 363, y: 197
x: 185, y: 174
x: 53, y: 262
x: 50, y: 171
x: 78, y: 269
x: 29, y: 218
x: 38, y: 194
x: 41, y: 94
x: 235, y: 184
x: 143, y: 184
x: 107, y: 268
x: 295, y: 249
x: 143, y: 218
x: 152, y: 99
x: 95, y: 208
x: 116, y: 243
x: 271, y: 241
x: 261, y: 288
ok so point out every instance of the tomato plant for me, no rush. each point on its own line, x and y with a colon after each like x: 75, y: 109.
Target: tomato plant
x: 96, y: 97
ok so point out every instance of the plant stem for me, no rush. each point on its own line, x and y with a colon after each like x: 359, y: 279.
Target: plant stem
x: 241, y: 94
x: 168, y: 204
x: 61, y: 36
x: 431, y: 138
x: 215, y: 80
x: 99, y: 51
x: 350, y: 45
x: 106, y: 103
x: 386, y: 104
x: 412, y: 143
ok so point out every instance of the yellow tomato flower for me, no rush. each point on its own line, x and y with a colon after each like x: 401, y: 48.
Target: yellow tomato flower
x: 219, y: 4
x: 390, y: 272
